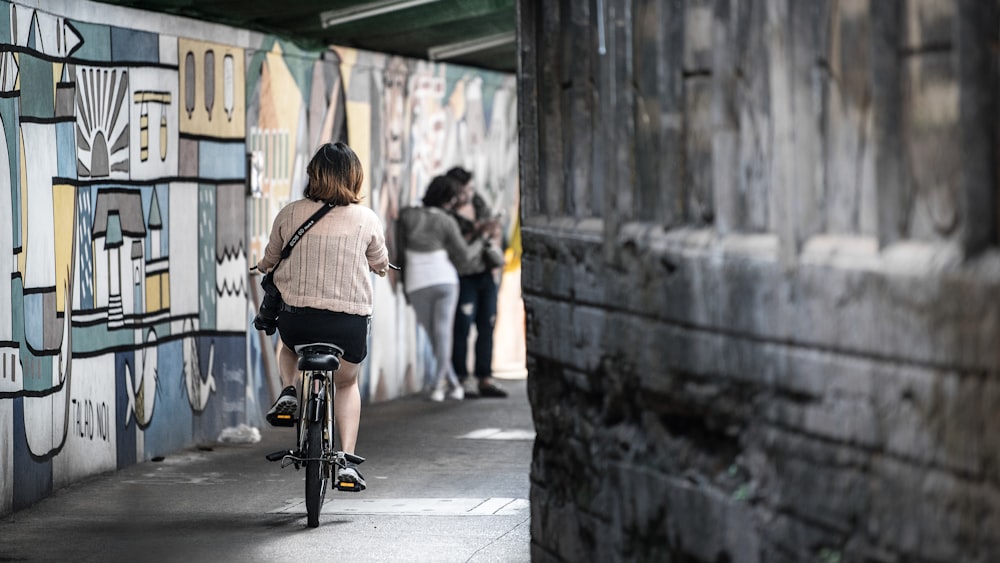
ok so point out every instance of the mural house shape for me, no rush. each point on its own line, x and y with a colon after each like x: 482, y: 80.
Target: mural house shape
x: 118, y: 221
x: 157, y: 294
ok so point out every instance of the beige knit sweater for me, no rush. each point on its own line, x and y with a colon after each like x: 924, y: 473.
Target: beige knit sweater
x: 330, y: 268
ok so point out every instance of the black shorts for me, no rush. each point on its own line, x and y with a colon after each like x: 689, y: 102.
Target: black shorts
x: 305, y: 325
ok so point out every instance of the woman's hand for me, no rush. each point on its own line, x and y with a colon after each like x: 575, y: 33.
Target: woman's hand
x: 489, y: 229
x: 385, y: 270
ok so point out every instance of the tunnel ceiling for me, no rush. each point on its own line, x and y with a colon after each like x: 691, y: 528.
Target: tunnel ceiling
x: 478, y: 33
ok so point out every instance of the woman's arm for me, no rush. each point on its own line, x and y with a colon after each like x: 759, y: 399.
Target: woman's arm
x: 377, y: 253
x: 459, y: 251
x: 275, y: 244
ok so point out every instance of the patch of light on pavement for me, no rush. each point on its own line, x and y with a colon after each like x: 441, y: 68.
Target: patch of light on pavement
x: 498, y: 434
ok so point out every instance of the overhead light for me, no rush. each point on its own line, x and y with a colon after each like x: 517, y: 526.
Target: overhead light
x: 331, y: 18
x: 459, y: 48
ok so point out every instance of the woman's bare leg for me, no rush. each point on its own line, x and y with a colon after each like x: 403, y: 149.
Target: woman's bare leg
x: 288, y: 365
x: 347, y: 404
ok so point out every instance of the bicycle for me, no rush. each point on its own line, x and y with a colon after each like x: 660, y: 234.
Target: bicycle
x: 315, y: 427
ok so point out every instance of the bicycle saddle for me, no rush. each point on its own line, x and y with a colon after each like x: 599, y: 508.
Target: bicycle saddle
x: 319, y: 356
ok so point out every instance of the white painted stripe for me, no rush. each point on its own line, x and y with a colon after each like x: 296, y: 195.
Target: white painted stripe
x: 490, y: 506
x: 413, y: 506
x: 514, y: 507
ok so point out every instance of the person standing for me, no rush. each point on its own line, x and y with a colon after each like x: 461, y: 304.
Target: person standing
x: 478, y: 290
x: 326, y: 286
x: 434, y: 248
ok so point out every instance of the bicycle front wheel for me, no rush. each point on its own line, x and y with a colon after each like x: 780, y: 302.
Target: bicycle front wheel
x: 315, y: 473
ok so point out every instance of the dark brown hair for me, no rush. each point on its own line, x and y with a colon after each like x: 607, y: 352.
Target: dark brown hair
x: 461, y: 175
x: 335, y: 175
x: 441, y: 190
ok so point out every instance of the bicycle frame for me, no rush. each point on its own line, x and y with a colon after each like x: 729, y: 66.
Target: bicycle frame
x: 315, y: 405
x: 315, y: 436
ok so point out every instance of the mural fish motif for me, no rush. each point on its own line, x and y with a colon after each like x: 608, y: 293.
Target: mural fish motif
x: 142, y: 399
x: 199, y: 390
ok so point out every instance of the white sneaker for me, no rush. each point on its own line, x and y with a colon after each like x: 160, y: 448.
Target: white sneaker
x: 437, y: 395
x: 456, y: 393
x: 350, y: 479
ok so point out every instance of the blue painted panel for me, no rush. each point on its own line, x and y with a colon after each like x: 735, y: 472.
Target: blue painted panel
x: 170, y: 428
x: 32, y: 479
x: 230, y: 379
x: 96, y: 42
x: 221, y: 161
x: 37, y: 371
x: 125, y: 436
x: 134, y: 46
x: 207, y: 298
x: 85, y: 261
x: 34, y: 314
x: 5, y: 24
x: 207, y: 425
x: 66, y: 149
x: 37, y: 87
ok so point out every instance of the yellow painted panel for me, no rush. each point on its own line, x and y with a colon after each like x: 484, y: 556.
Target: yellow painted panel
x: 215, y: 105
x: 63, y: 214
x: 165, y: 290
x: 153, y: 293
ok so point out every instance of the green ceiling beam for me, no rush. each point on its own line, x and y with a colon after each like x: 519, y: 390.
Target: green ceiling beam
x: 445, y: 12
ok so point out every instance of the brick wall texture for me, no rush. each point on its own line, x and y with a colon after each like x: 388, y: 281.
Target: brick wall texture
x: 762, y: 279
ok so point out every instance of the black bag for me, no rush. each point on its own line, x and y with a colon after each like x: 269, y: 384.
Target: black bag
x: 270, y: 303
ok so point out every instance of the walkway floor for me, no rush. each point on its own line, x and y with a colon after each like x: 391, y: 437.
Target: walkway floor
x: 446, y: 482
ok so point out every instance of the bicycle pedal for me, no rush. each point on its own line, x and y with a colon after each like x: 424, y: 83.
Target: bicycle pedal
x: 278, y: 455
x: 281, y: 420
x: 349, y: 486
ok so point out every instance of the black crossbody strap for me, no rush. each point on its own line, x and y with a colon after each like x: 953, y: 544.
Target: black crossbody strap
x: 297, y: 235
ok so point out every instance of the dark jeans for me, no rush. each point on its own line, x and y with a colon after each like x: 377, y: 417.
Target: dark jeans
x: 477, y: 304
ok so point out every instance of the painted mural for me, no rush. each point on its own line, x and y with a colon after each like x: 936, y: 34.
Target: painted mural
x: 408, y: 121
x: 139, y: 174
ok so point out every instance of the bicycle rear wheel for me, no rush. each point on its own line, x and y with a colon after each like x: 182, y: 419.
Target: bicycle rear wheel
x: 315, y: 473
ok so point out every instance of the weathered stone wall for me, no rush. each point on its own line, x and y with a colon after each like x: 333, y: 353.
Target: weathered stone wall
x: 761, y: 274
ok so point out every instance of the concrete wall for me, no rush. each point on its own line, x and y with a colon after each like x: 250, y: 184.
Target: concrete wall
x: 761, y: 277
x: 142, y: 159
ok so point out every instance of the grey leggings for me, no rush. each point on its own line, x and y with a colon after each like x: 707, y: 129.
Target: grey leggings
x: 435, y: 310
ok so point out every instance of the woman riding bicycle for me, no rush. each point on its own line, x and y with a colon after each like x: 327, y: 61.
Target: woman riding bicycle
x: 326, y: 284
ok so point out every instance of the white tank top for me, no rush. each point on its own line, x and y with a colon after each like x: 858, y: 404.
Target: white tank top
x: 424, y: 269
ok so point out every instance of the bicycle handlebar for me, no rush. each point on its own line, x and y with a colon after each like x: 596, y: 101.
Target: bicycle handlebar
x: 391, y: 267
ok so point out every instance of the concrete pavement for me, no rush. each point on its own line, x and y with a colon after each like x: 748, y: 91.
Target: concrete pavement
x: 447, y: 482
